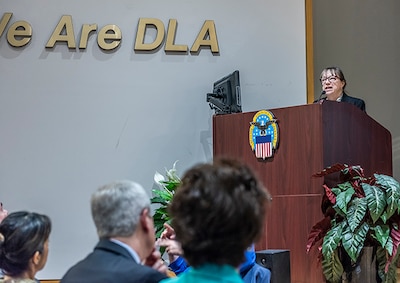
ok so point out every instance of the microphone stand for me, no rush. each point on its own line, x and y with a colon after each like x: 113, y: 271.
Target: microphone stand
x: 320, y: 96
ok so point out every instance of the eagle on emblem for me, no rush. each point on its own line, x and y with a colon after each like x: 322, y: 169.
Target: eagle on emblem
x: 263, y: 127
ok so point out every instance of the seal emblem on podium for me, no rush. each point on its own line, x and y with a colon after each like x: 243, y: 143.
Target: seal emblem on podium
x: 264, y: 134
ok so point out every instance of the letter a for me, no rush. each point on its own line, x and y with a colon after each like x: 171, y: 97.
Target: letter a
x: 65, y: 23
x: 208, y: 30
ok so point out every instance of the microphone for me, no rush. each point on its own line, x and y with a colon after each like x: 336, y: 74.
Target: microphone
x: 320, y: 96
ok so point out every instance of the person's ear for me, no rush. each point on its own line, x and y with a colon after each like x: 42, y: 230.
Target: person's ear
x: 36, y: 258
x: 146, y: 219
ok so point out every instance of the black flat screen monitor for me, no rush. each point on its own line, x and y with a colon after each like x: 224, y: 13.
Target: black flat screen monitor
x: 226, y: 97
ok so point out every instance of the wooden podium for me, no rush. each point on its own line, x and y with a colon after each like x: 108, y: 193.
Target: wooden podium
x: 311, y: 137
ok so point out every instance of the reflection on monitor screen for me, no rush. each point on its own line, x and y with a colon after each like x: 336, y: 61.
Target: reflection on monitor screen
x: 226, y: 97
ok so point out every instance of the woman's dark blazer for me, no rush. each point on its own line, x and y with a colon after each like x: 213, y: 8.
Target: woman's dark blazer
x: 353, y: 100
x: 359, y: 103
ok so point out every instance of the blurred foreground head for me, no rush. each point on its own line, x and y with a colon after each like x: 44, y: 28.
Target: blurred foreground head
x: 218, y: 211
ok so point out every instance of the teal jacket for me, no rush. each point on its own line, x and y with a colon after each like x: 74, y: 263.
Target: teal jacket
x: 207, y: 273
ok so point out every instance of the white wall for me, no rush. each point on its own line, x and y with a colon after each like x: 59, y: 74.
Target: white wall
x: 72, y: 120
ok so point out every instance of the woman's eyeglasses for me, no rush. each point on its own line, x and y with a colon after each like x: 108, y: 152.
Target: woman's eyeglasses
x: 331, y: 79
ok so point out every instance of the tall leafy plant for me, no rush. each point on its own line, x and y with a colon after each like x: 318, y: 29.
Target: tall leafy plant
x: 360, y: 211
x: 162, y: 196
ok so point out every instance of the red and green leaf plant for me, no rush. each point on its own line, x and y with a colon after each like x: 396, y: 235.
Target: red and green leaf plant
x: 358, y: 212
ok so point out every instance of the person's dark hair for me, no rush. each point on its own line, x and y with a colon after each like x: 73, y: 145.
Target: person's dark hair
x: 22, y: 233
x: 217, y: 212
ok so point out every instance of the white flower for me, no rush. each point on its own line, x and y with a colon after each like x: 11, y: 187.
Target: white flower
x: 171, y: 174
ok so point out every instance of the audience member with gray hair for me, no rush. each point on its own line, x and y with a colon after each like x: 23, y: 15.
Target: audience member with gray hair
x: 125, y: 252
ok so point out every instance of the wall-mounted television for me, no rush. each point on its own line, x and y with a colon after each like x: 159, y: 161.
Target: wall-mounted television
x: 226, y: 97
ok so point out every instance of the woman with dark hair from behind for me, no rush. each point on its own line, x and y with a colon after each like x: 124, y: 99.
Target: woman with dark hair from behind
x: 24, y: 246
x: 217, y: 212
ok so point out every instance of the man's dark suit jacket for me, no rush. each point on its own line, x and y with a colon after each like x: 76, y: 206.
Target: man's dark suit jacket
x: 109, y: 263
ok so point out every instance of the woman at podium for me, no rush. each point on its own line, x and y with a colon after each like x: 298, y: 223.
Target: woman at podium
x: 333, y: 86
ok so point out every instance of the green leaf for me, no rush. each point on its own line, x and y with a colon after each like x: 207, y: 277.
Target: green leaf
x: 344, y: 186
x: 381, y: 233
x: 171, y: 185
x: 387, y: 182
x: 356, y: 213
x: 344, y: 197
x: 332, y: 268
x: 331, y: 240
x: 161, y: 213
x: 354, y: 242
x: 338, y: 211
x: 158, y: 200
x: 380, y: 262
x: 336, y: 191
x: 375, y: 199
x: 391, y: 186
x: 165, y: 195
x: 391, y: 274
x: 389, y: 246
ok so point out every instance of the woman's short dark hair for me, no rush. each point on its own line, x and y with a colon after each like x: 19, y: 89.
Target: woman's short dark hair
x: 22, y: 233
x: 217, y: 212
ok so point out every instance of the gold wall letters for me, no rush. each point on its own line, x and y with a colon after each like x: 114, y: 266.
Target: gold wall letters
x: 109, y: 37
x: 206, y: 38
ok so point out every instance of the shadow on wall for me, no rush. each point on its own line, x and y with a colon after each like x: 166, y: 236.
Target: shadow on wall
x: 396, y: 148
x: 396, y: 156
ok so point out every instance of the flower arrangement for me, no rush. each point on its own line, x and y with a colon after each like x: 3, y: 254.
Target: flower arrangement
x: 163, y: 194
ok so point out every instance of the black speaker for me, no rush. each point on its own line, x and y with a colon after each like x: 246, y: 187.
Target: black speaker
x: 278, y: 261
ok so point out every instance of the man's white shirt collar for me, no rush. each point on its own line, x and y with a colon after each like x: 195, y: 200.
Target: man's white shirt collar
x: 128, y: 248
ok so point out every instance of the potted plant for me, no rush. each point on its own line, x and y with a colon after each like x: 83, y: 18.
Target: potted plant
x: 359, y: 212
x: 163, y: 193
